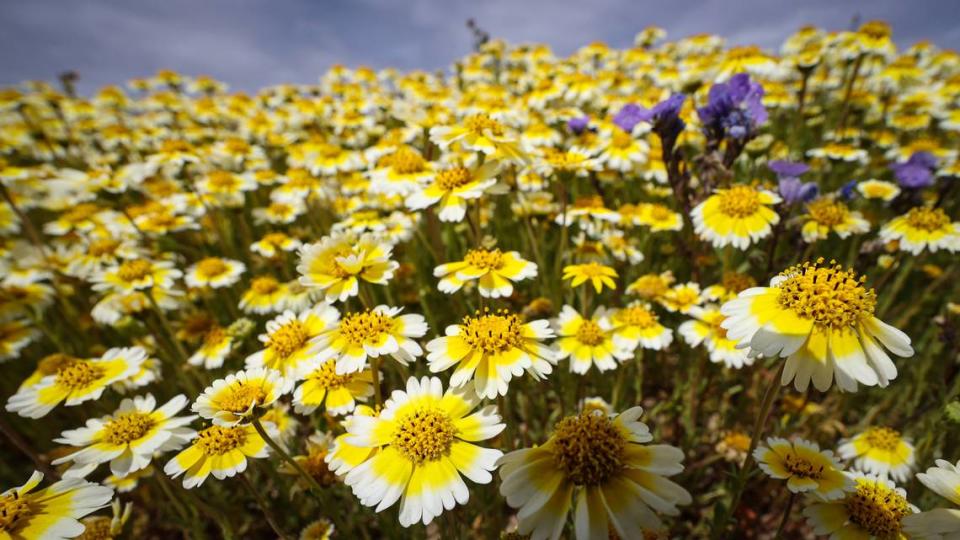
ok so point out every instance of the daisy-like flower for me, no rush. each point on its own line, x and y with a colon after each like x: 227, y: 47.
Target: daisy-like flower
x: 875, y: 508
x: 826, y: 215
x: 881, y: 451
x: 681, y: 297
x: 425, y: 437
x: 637, y: 325
x: 923, y: 228
x: 598, y: 464
x: 231, y: 400
x: 589, y: 342
x: 653, y: 286
x: 51, y: 513
x: 337, y: 393
x: 492, y: 348
x: 878, y: 189
x: 373, y: 333
x: 453, y: 187
x: 344, y: 456
x: 495, y: 270
x: 314, y: 462
x: 275, y: 243
x: 265, y: 295
x: 214, y: 272
x: 15, y: 335
x: 77, y: 381
x: 480, y: 133
x: 805, y: 467
x: 402, y: 172
x: 737, y: 216
x: 705, y: 328
x: 216, y: 346
x: 320, y: 529
x: 820, y: 318
x: 335, y: 264
x: 136, y: 274
x: 218, y: 450
x: 598, y: 275
x: 289, y: 343
x: 939, y: 523
x: 129, y: 437
x: 659, y: 218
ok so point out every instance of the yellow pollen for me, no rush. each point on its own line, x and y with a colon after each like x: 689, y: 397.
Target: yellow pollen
x: 53, y: 363
x: 79, y: 375
x: 658, y: 212
x: 12, y: 508
x: 406, y: 161
x: 276, y: 239
x: 264, y: 285
x: 737, y: 440
x: 450, y: 179
x: 590, y: 333
x: 877, y: 509
x: 128, y: 427
x: 649, y: 286
x: 218, y: 440
x: 365, y: 327
x: 81, y: 212
x: 636, y: 316
x: 134, y: 270
x: 103, y: 247
x: 241, y: 396
x: 424, y: 434
x: 223, y: 180
x: 212, y: 267
x: 326, y: 376
x: 831, y: 296
x: 214, y: 337
x: 802, y: 467
x: 927, y: 219
x: 621, y: 139
x: 828, y: 212
x: 589, y: 448
x: 492, y: 333
x: 481, y: 124
x: 484, y: 259
x: 739, y: 201
x: 883, y: 438
x: 288, y: 339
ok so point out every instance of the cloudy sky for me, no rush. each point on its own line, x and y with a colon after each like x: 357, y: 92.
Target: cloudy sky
x: 250, y: 43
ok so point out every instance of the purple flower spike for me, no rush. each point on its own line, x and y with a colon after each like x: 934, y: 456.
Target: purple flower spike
x: 916, y: 172
x: 630, y: 115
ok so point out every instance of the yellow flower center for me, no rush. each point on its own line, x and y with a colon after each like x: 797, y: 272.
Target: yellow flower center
x: 589, y: 202
x: 264, y: 285
x: 134, y: 270
x: 53, y: 363
x: 484, y: 259
x: 218, y: 440
x: 481, y: 124
x: 81, y: 212
x: 736, y: 282
x: 877, y: 509
x: 492, y: 333
x: 621, y: 139
x: 128, y: 427
x: 103, y: 247
x: 828, y: 212
x: 424, y: 434
x: 883, y: 438
x: 223, y: 181
x: 214, y: 337
x: 589, y: 448
x: 636, y: 316
x: 406, y: 161
x: 802, y: 467
x: 79, y: 375
x: 12, y: 508
x: 241, y: 395
x: 649, y: 286
x: 590, y: 333
x: 275, y: 239
x: 739, y: 201
x: 96, y: 528
x: 659, y: 212
x: 360, y: 328
x: 737, y: 440
x: 288, y: 339
x: 592, y: 270
x: 927, y: 219
x: 212, y: 267
x: 449, y: 179
x: 316, y: 466
x: 326, y: 376
x: 831, y: 296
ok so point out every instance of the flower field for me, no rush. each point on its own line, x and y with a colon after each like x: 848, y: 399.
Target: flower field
x: 677, y: 290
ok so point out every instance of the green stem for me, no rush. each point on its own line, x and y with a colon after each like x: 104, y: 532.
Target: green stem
x: 285, y: 456
x: 786, y: 516
x: 263, y: 506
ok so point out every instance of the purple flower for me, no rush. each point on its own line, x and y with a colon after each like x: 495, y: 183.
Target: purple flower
x: 793, y: 191
x: 916, y: 172
x: 578, y: 125
x: 666, y: 117
x: 734, y: 108
x: 847, y: 191
x: 630, y: 115
x: 783, y: 168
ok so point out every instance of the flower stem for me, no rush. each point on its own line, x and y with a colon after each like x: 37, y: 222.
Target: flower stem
x: 285, y: 456
x: 786, y: 516
x: 263, y: 506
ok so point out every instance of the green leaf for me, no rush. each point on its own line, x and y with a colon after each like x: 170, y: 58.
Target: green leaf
x: 952, y: 411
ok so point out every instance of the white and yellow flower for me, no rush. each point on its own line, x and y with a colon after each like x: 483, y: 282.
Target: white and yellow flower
x: 923, y: 228
x: 289, y: 344
x: 214, y: 272
x: 356, y: 337
x: 874, y: 509
x: 881, y: 451
x: 218, y: 450
x: 52, y: 513
x: 826, y: 215
x: 231, y: 400
x: 495, y: 270
x: 737, y: 216
x: 338, y: 394
x: 805, y: 467
x: 453, y: 187
x: 637, y: 325
x: 705, y: 328
x: 336, y: 263
x: 588, y: 342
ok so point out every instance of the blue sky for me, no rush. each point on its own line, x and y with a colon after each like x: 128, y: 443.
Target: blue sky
x: 251, y: 43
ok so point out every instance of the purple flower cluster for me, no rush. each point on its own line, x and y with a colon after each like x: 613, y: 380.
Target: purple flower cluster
x: 791, y: 188
x: 916, y: 172
x: 630, y: 115
x: 578, y: 125
x: 734, y: 108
